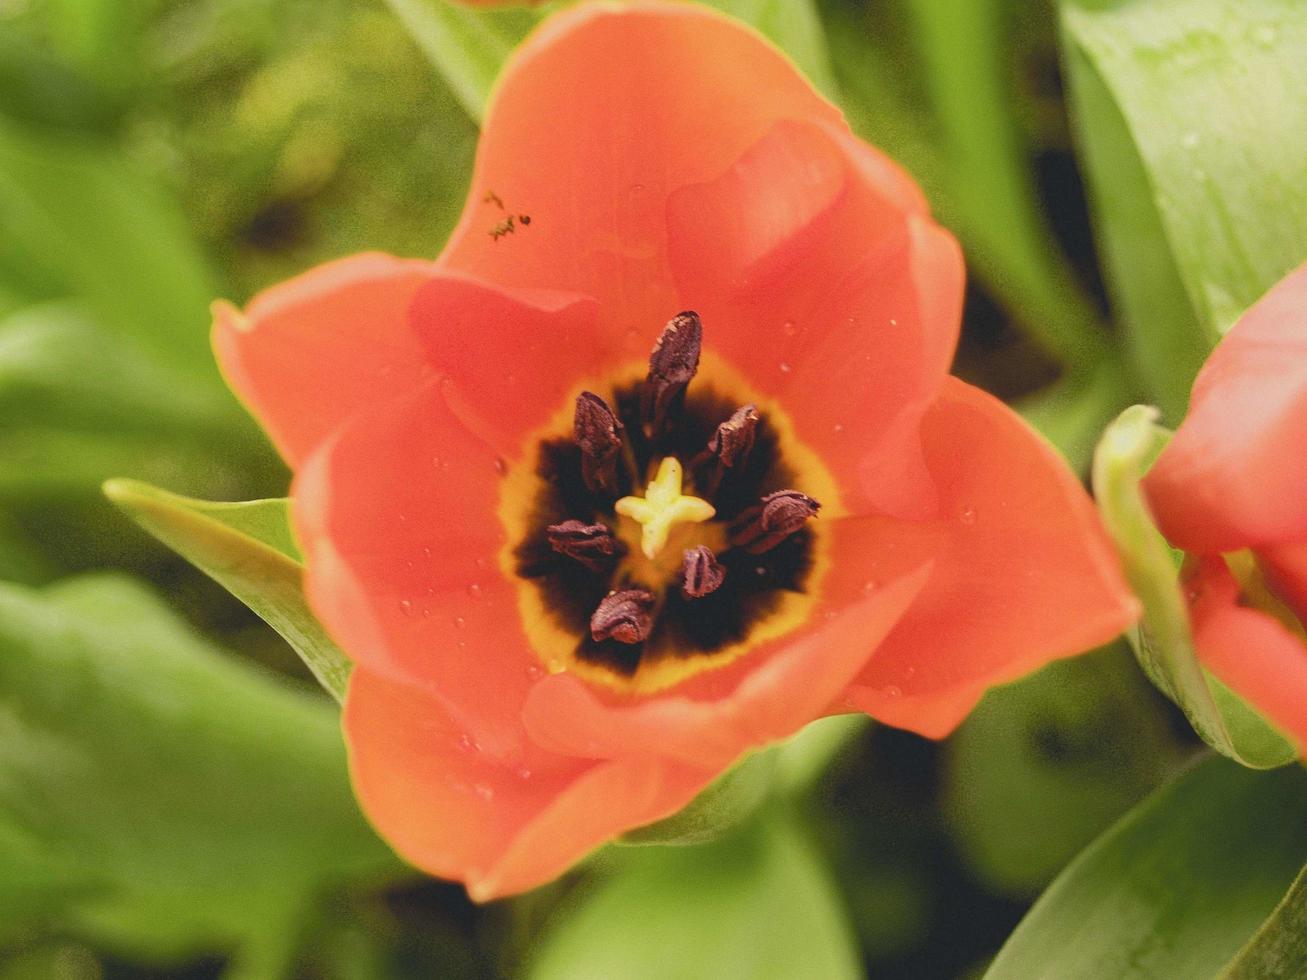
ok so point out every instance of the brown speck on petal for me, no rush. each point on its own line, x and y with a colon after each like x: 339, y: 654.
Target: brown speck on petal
x: 598, y: 432
x: 674, y: 361
x: 624, y: 616
x: 593, y: 545
x: 766, y: 524
x: 704, y: 574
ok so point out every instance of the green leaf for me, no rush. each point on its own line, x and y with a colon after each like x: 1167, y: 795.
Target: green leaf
x: 1174, y: 889
x: 164, y: 796
x: 755, y: 904
x: 1162, y: 640
x: 1191, y: 118
x: 77, y: 220
x: 467, y: 47
x: 1043, y: 766
x: 1279, y: 948
x: 248, y: 549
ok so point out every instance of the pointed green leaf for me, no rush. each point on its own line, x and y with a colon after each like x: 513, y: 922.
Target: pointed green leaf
x: 1279, y: 948
x: 754, y: 904
x: 1191, y: 119
x: 160, y: 793
x: 1174, y: 889
x: 248, y: 549
x: 1162, y: 640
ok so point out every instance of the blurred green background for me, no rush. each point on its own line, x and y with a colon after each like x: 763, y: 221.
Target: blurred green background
x: 172, y: 793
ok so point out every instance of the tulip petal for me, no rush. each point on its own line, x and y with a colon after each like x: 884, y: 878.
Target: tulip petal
x: 600, y: 115
x: 1233, y: 475
x: 1251, y: 652
x: 763, y: 697
x: 833, y: 291
x: 309, y: 353
x: 396, y: 514
x: 509, y: 357
x: 455, y: 812
x: 1025, y: 574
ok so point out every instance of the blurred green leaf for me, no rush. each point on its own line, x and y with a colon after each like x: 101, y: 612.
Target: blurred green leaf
x: 1192, y: 121
x: 79, y: 404
x: 248, y: 549
x: 1162, y: 640
x: 164, y: 796
x: 467, y: 47
x: 755, y: 904
x: 963, y: 47
x: 1044, y: 765
x: 76, y: 220
x: 1174, y: 889
x: 1279, y: 948
x: 1072, y: 412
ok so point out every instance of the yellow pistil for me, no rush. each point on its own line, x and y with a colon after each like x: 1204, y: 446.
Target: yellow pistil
x: 663, y: 506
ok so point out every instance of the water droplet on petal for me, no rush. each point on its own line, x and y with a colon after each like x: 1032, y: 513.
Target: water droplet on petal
x: 968, y: 515
x: 501, y: 465
x: 406, y: 607
x: 465, y: 742
x: 837, y: 428
x: 785, y: 367
x: 459, y: 622
x: 483, y: 791
x: 789, y: 328
x: 870, y: 586
x: 893, y: 691
x: 524, y: 774
x: 474, y: 591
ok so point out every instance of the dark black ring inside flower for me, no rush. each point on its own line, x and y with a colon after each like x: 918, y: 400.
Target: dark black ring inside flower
x: 717, y: 579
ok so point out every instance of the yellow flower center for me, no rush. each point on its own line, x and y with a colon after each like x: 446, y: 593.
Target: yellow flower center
x: 663, y: 506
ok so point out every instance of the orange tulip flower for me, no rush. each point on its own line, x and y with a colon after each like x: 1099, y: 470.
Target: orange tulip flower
x: 1228, y: 489
x: 579, y: 580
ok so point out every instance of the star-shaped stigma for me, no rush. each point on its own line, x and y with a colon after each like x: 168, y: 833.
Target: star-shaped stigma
x: 663, y: 506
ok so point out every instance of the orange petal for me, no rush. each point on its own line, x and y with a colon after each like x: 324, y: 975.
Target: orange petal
x: 309, y: 353
x: 831, y: 291
x: 1233, y: 476
x: 508, y: 357
x: 600, y: 115
x: 1025, y: 574
x: 396, y: 515
x: 1251, y: 652
x: 454, y: 811
x: 763, y: 697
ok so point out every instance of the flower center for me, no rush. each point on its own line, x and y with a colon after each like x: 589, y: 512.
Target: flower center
x: 655, y: 530
x: 663, y: 506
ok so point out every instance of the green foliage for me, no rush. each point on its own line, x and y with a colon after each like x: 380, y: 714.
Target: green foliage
x: 165, y: 797
x: 1194, y: 127
x: 1279, y: 947
x: 1162, y: 640
x: 1176, y: 888
x: 1044, y: 765
x: 248, y: 549
x: 755, y: 904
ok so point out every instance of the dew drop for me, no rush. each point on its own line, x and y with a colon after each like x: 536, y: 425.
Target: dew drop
x: 465, y: 742
x: 968, y: 516
x: 789, y: 328
x: 893, y: 321
x: 637, y: 188
x: 406, y: 607
x: 837, y: 428
x: 893, y: 691
x: 474, y: 591
x: 483, y: 791
x: 534, y: 671
x: 501, y: 465
x: 459, y: 622
x: 870, y: 586
x: 426, y: 551
x: 524, y: 774
x: 785, y: 367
